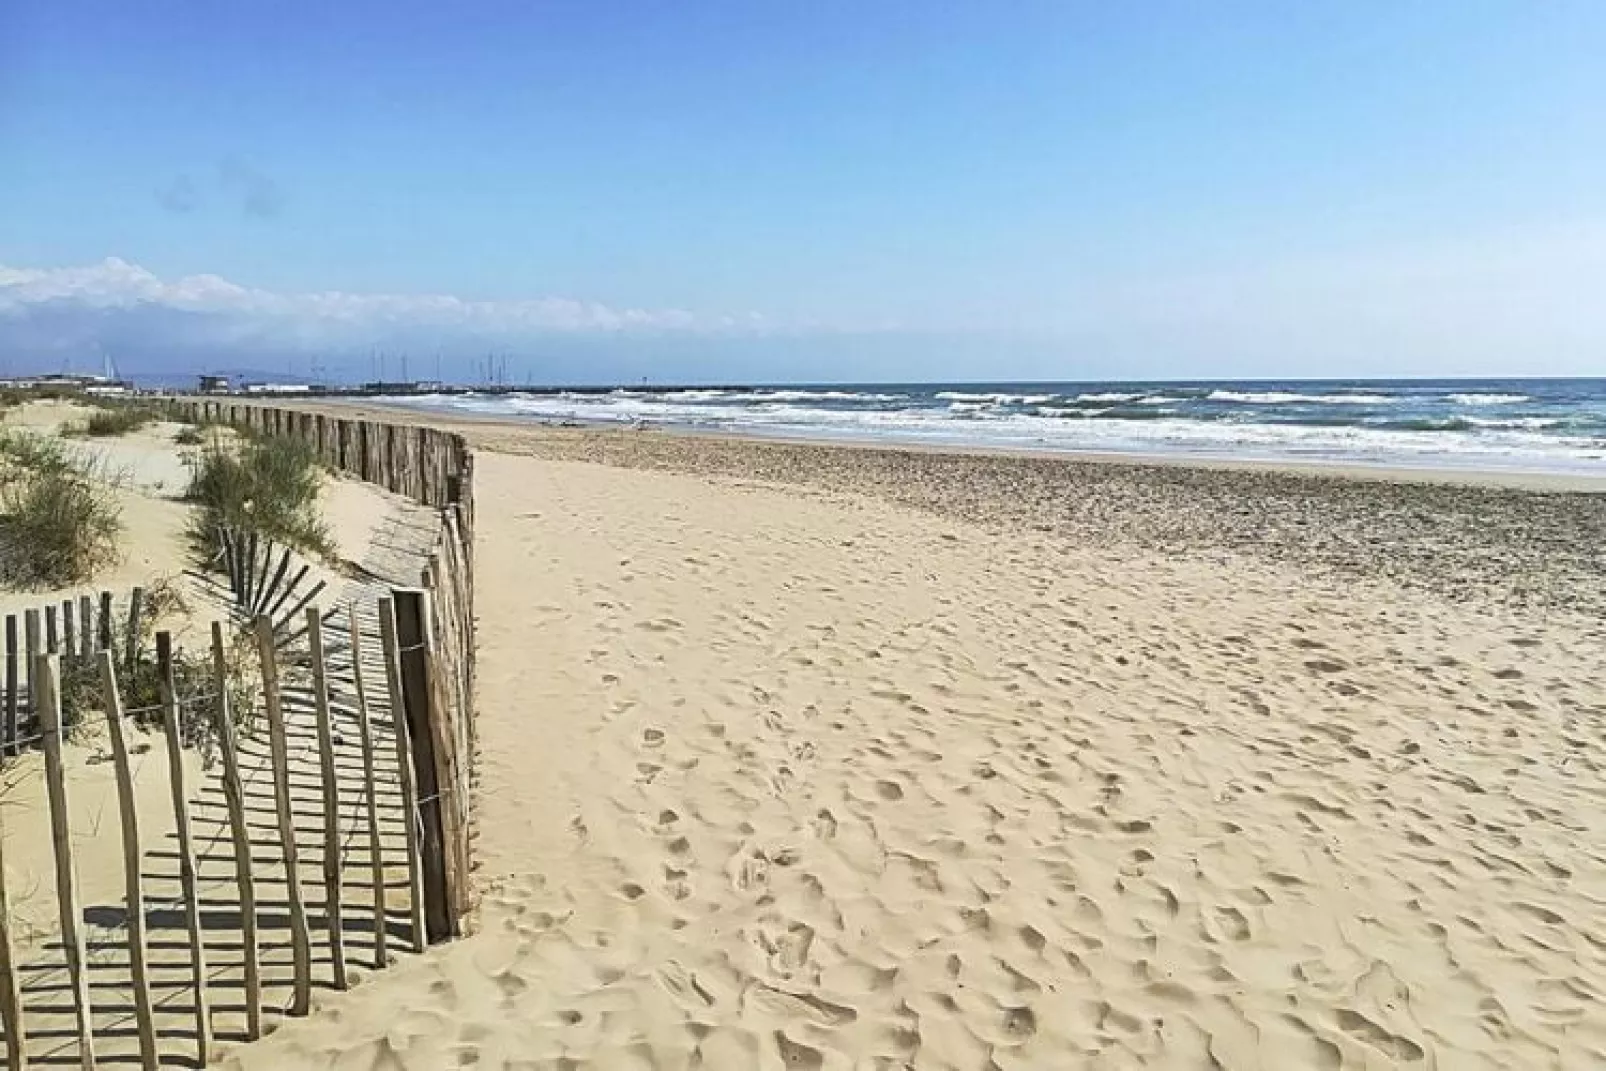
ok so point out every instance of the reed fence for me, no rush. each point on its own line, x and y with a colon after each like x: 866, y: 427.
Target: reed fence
x: 333, y: 677
x: 396, y: 670
x: 433, y: 468
x: 77, y: 629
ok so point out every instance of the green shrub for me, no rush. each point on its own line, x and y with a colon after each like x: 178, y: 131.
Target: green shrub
x: 267, y: 486
x: 24, y: 450
x: 120, y: 420
x: 189, y: 435
x: 59, y: 518
x: 194, y: 682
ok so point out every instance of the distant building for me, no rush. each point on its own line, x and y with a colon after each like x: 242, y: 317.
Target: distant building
x: 62, y: 383
x: 277, y: 388
x: 214, y: 384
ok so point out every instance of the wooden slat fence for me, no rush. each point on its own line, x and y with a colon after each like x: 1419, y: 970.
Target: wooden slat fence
x: 329, y: 788
x: 434, y: 468
x: 77, y: 629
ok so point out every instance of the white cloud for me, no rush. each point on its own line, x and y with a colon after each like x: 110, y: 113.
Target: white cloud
x: 116, y: 284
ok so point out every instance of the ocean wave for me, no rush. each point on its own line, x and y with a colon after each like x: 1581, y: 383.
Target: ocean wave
x: 1488, y: 399
x: 821, y: 396
x: 994, y: 399
x: 1525, y: 423
x: 1428, y: 424
x: 1430, y: 427
x: 1277, y: 397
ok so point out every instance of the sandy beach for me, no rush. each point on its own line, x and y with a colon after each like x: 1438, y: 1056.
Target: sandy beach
x: 806, y: 757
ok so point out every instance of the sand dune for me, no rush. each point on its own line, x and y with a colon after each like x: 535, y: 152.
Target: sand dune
x: 776, y: 778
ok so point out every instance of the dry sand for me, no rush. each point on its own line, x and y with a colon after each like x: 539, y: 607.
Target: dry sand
x: 1063, y: 768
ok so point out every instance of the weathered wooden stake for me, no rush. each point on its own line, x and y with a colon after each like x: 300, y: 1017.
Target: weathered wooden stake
x: 234, y: 794
x: 365, y: 738
x: 51, y: 638
x: 405, y: 774
x: 231, y: 561
x: 136, y: 605
x: 69, y: 630
x: 333, y: 908
x: 300, y: 937
x: 47, y: 701
x: 434, y: 741
x: 186, y: 852
x: 260, y: 603
x: 105, y: 621
x: 10, y: 1001
x: 128, y: 807
x: 248, y: 588
x: 86, y: 627
x: 285, y: 593
x: 9, y: 727
x: 33, y: 647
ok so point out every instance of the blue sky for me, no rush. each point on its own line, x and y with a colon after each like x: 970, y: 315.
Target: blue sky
x: 781, y: 191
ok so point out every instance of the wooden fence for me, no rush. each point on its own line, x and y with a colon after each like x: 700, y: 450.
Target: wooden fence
x: 404, y: 675
x: 75, y: 628
x: 434, y: 468
x: 429, y: 466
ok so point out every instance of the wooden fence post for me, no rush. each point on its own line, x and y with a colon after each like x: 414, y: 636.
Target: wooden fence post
x: 136, y: 604
x: 47, y: 701
x: 8, y: 729
x: 10, y: 1001
x: 405, y: 773
x: 128, y: 807
x: 234, y: 794
x: 86, y: 622
x: 333, y: 912
x: 433, y: 761
x: 69, y: 630
x: 106, y: 633
x: 300, y: 937
x: 365, y: 739
x: 186, y: 851
x: 33, y: 647
x: 52, y: 643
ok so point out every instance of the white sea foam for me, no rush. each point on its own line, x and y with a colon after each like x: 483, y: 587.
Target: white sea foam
x: 1488, y: 399
x: 1526, y: 442
x: 1277, y: 397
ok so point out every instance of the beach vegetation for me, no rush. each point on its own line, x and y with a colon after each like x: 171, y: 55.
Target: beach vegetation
x: 60, y: 522
x: 264, y: 485
x: 195, y: 686
x: 107, y: 421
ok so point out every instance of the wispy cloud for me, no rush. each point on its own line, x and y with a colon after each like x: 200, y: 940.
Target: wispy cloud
x: 180, y: 195
x: 120, y: 305
x: 257, y: 193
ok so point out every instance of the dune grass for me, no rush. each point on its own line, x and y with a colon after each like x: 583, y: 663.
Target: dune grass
x: 59, y: 518
x: 263, y: 485
x: 107, y: 421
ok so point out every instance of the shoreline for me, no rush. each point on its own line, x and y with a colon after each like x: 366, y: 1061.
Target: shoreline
x: 1518, y: 479
x: 1536, y: 544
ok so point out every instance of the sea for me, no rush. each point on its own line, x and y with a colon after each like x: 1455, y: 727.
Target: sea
x: 1520, y: 425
